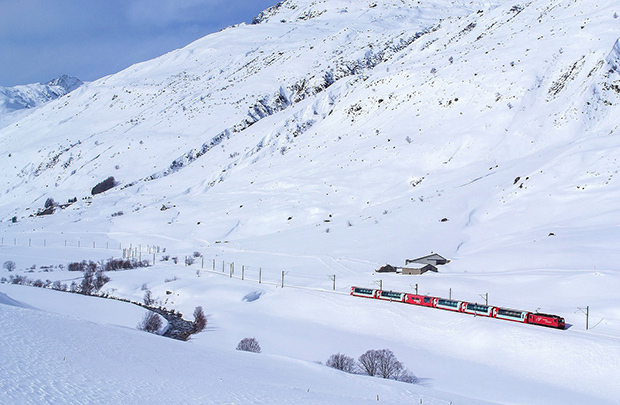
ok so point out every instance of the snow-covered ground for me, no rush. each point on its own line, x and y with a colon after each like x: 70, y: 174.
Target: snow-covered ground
x: 328, y: 139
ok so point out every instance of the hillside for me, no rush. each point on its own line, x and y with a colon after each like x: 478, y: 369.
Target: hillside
x: 331, y: 137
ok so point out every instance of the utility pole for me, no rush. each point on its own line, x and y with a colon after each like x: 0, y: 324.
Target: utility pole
x: 242, y: 272
x: 333, y: 278
x: 283, y: 273
x: 260, y: 274
x: 450, y: 293
x: 486, y: 298
x: 587, y: 313
x: 379, y: 283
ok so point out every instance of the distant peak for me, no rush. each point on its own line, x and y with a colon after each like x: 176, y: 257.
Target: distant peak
x: 68, y: 83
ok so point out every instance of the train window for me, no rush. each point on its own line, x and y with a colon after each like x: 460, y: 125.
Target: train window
x: 478, y: 308
x: 427, y: 299
x: 390, y: 294
x: 448, y: 303
x: 363, y: 291
x: 509, y: 312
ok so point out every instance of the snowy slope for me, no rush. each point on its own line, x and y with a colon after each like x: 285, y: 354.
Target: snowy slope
x: 332, y: 137
x: 66, y: 360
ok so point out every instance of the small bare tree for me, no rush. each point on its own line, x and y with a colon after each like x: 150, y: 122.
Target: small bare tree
x: 369, y: 362
x: 249, y: 345
x: 150, y: 323
x: 341, y: 362
x: 388, y: 365
x: 200, y: 320
x: 148, y: 298
x: 9, y: 265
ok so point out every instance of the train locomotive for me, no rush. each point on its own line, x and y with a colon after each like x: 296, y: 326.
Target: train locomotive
x: 507, y: 314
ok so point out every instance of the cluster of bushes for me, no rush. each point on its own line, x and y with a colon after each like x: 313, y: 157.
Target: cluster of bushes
x: 108, y: 265
x: 91, y: 282
x: 376, y: 363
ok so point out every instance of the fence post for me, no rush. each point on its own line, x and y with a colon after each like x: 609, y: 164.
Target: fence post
x: 242, y: 272
x: 260, y: 273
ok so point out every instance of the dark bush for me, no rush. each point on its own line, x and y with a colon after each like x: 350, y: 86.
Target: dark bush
x: 49, y: 203
x: 200, y: 320
x: 249, y: 345
x: 104, y: 186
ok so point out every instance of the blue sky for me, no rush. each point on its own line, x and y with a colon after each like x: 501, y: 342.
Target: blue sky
x: 88, y: 39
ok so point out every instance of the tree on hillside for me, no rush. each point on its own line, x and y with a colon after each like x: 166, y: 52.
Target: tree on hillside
x: 368, y: 362
x: 9, y: 265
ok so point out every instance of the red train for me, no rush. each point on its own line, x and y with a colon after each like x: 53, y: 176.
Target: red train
x: 514, y: 315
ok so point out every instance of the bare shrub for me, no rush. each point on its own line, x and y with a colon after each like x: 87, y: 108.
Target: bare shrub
x: 197, y: 254
x: 341, y: 362
x: 148, y: 298
x: 150, y: 323
x: 408, y: 377
x: 9, y: 265
x: 200, y: 320
x: 249, y: 345
x: 189, y: 261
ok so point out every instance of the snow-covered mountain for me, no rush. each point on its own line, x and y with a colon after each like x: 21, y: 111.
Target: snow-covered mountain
x: 333, y: 136
x: 464, y: 110
x: 36, y: 94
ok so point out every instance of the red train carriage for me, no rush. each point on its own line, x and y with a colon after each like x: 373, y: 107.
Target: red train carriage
x: 552, y: 321
x: 391, y: 296
x: 364, y: 292
x: 478, y: 309
x: 515, y: 315
x: 422, y: 300
x: 449, y: 305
